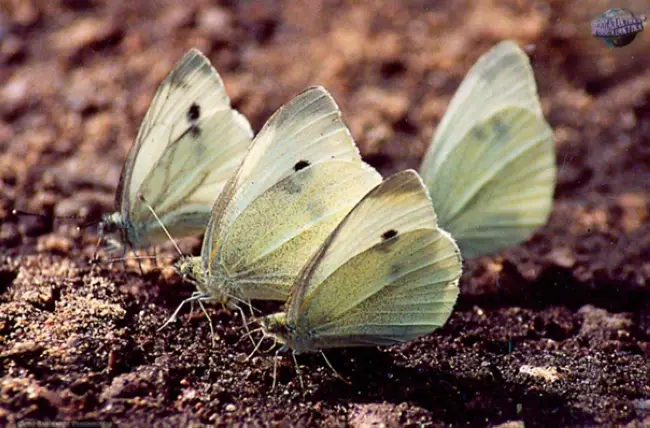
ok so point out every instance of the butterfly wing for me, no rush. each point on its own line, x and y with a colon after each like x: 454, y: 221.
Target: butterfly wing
x: 189, y: 144
x: 497, y: 184
x: 301, y: 176
x: 386, y: 275
x: 469, y: 167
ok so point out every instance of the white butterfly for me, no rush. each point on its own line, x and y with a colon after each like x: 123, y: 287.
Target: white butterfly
x: 301, y: 176
x: 387, y: 274
x: 189, y: 144
x: 491, y: 164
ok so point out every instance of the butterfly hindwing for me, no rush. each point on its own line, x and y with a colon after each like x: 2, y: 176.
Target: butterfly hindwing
x: 497, y: 184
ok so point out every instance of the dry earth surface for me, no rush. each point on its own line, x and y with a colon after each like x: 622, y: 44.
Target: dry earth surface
x: 553, y: 332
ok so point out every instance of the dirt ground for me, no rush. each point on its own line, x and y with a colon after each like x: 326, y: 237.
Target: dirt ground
x: 554, y: 332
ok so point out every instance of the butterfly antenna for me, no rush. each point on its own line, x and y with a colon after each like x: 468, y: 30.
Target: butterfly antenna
x: 141, y: 198
x: 77, y: 218
x: 118, y: 259
x: 88, y: 224
x: 55, y: 217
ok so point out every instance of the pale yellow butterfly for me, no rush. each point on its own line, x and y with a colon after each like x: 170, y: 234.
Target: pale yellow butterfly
x: 491, y: 164
x: 301, y: 176
x: 386, y: 275
x: 189, y: 144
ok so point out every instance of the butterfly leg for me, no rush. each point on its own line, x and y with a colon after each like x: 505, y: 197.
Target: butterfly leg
x: 298, y: 371
x: 226, y: 309
x: 333, y: 369
x: 93, y: 260
x: 275, y: 342
x: 155, y: 256
x: 191, y: 300
x: 243, y: 317
x: 191, y: 312
x: 257, y: 346
x: 139, y: 262
x: 275, y: 368
x: 209, y: 320
x: 124, y: 258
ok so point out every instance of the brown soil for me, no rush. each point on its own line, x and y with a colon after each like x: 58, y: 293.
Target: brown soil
x: 553, y: 332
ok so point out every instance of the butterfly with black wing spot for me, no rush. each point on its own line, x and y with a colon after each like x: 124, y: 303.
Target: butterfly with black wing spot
x: 386, y: 275
x: 190, y: 142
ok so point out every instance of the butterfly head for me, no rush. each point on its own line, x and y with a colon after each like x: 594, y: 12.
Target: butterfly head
x: 275, y: 325
x: 110, y: 224
x: 114, y: 229
x: 190, y: 269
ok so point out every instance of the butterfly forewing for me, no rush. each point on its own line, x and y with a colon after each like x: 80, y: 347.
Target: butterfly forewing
x: 305, y: 131
x: 392, y: 208
x: 191, y: 173
x: 503, y: 77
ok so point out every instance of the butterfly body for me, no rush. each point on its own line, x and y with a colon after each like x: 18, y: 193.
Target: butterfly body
x: 212, y: 285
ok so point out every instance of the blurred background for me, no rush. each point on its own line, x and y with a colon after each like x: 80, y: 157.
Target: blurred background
x: 76, y: 77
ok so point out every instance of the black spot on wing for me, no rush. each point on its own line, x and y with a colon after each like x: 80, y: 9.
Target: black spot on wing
x: 301, y: 164
x: 389, y: 234
x: 195, y: 131
x: 193, y: 113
